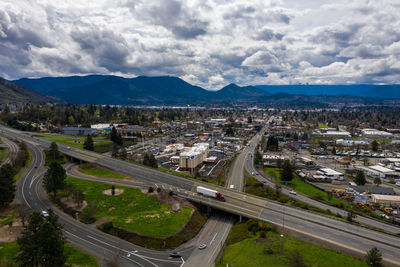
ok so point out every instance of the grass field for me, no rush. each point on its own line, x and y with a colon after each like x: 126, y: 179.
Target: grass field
x: 76, y: 258
x: 247, y: 249
x: 3, y: 153
x: 133, y: 210
x: 7, y: 218
x: 22, y: 170
x: 94, y: 170
x: 300, y: 186
x: 74, y: 141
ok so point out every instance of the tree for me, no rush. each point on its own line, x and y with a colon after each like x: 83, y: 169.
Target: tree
x: 258, y: 158
x: 113, y: 135
x: 272, y: 143
x: 23, y: 212
x: 78, y: 197
x: 334, y: 150
x: 150, y: 160
x: 115, y: 150
x: 54, y: 178
x: 113, y: 190
x: 249, y: 119
x: 118, y: 140
x: 377, y: 181
x: 374, y: 257
x: 42, y: 242
x: 360, y: 178
x: 374, y: 146
x: 53, y: 153
x: 7, y: 184
x: 286, y: 171
x: 88, y: 144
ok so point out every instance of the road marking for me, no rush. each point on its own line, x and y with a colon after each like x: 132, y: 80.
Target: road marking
x: 140, y: 256
x: 213, y: 239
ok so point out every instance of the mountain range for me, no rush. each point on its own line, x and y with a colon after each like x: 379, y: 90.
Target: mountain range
x: 11, y: 93
x: 390, y: 91
x: 166, y: 90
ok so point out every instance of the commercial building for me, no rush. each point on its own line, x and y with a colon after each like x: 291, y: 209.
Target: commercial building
x: 192, y: 158
x: 337, y: 134
x: 78, y: 131
x: 385, y: 199
x: 373, y: 133
x: 380, y: 171
x: 331, y: 174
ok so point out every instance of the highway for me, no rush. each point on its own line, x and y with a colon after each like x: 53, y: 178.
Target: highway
x: 328, y: 230
x: 12, y: 150
x: 103, y: 246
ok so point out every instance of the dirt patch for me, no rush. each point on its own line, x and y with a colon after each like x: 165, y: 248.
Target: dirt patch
x: 164, y: 197
x: 69, y: 202
x: 8, y: 234
x: 117, y: 191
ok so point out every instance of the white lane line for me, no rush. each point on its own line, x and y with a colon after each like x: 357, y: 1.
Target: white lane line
x: 183, y: 262
x: 213, y: 239
x: 99, y: 246
x: 126, y: 251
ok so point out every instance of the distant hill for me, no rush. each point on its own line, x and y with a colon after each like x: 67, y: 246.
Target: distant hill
x: 11, y: 93
x: 166, y: 90
x: 391, y: 91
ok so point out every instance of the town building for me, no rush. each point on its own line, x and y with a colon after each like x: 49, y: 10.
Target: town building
x: 78, y: 131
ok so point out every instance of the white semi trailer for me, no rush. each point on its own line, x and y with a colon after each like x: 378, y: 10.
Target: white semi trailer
x: 210, y: 193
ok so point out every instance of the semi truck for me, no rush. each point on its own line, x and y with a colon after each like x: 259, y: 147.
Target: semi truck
x: 210, y: 193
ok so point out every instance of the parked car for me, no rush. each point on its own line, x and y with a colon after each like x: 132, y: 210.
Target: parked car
x: 292, y: 192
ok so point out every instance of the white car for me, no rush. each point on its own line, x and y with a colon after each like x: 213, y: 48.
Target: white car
x: 202, y: 246
x: 292, y: 192
x: 45, y: 213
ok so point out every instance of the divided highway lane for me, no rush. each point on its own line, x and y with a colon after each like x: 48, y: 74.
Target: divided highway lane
x: 305, y: 226
x: 12, y: 150
x: 303, y: 198
x: 103, y: 246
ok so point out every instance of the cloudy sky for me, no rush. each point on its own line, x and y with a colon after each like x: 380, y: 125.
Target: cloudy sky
x: 209, y: 43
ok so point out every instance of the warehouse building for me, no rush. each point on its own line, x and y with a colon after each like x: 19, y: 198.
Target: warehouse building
x: 78, y: 131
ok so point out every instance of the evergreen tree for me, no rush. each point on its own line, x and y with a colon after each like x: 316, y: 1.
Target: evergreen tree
x: 360, y: 178
x: 113, y: 136
x: 374, y: 146
x: 7, y: 184
x: 53, y: 153
x: 88, y: 144
x: 272, y: 143
x: 118, y: 140
x: 286, y: 171
x: 54, y: 178
x: 374, y: 257
x: 258, y: 158
x: 377, y: 181
x: 42, y: 242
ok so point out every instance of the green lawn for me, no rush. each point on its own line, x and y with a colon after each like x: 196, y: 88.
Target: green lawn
x: 9, y: 217
x: 300, y: 186
x: 133, y: 210
x: 76, y: 258
x: 3, y: 153
x: 94, y: 170
x: 251, y: 250
x: 74, y: 141
x: 22, y: 170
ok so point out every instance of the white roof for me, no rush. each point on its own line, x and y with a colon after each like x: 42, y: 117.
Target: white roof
x: 329, y: 171
x: 381, y: 169
x: 385, y: 197
x: 341, y: 133
x: 393, y: 159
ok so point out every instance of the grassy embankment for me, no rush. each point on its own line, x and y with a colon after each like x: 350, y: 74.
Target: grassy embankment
x: 76, y: 257
x: 300, y: 186
x: 3, y: 153
x: 91, y: 169
x: 254, y: 243
x: 101, y: 143
x: 133, y: 210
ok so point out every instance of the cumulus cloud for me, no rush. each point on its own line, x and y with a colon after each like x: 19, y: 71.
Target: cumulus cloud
x: 208, y: 43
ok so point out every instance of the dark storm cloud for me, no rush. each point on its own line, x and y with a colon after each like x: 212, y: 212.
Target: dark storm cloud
x: 106, y: 48
x: 176, y: 18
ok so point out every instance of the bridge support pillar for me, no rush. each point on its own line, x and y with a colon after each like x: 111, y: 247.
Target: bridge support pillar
x: 240, y: 218
x: 208, y: 210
